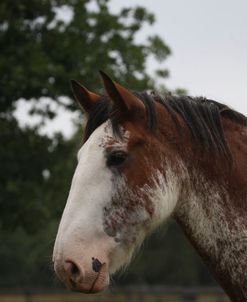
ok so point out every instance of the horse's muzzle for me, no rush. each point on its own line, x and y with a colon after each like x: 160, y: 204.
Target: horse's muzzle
x: 80, y: 279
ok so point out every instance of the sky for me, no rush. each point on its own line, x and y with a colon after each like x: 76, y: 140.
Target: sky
x: 208, y: 40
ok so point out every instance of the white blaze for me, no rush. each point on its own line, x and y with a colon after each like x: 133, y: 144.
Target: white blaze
x: 90, y: 191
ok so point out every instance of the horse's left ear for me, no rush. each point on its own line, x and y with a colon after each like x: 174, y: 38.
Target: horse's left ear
x: 85, y: 98
x: 123, y: 99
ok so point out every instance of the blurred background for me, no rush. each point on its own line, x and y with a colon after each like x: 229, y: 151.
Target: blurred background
x: 186, y: 47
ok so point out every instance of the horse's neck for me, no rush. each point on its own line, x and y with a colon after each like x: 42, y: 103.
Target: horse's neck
x: 218, y: 231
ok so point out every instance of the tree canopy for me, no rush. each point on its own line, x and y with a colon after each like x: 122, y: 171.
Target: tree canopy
x: 45, y: 43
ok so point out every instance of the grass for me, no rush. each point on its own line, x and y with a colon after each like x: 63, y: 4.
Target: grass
x: 114, y: 297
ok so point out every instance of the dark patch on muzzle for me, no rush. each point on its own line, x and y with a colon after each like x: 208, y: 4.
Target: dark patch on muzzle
x: 96, y: 264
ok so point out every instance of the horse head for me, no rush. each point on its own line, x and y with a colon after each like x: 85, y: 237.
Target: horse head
x: 118, y: 193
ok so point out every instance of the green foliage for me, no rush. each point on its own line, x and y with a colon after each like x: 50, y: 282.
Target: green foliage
x: 40, y: 52
x: 27, y: 258
x: 24, y: 156
x: 34, y: 176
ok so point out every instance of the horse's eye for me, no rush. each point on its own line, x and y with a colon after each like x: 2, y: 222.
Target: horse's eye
x: 116, y: 158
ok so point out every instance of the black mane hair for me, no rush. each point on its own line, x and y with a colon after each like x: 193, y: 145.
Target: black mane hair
x: 202, y: 117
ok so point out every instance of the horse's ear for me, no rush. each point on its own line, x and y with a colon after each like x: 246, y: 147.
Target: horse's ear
x: 123, y: 99
x: 85, y: 98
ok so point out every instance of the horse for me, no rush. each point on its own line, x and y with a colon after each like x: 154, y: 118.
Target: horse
x: 146, y: 158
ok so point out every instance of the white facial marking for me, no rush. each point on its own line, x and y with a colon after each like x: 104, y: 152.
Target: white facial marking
x: 91, y: 189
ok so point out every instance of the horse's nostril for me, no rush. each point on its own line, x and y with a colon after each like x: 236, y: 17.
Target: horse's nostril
x: 73, y: 271
x: 96, y: 264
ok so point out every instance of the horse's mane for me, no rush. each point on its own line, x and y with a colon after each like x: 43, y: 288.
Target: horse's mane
x: 202, y: 116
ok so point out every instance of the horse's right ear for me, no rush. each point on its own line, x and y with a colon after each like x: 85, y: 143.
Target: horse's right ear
x: 85, y: 98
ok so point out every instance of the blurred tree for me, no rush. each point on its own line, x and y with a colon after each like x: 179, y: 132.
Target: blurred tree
x: 34, y: 177
x: 45, y: 43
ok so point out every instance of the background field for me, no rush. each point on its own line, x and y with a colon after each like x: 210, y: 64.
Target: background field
x: 144, y: 294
